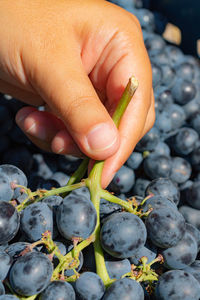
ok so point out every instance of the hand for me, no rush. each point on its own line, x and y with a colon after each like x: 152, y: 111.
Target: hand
x: 75, y: 58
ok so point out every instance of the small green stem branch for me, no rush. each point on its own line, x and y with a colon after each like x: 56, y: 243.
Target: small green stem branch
x: 111, y: 198
x: 41, y: 194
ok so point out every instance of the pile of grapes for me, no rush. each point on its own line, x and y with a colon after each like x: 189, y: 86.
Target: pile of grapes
x: 62, y: 237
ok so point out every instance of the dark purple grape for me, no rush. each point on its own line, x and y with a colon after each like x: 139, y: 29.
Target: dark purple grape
x: 107, y: 208
x: 58, y: 290
x: 156, y: 166
x: 15, y: 175
x: 182, y: 254
x: 192, y: 107
x: 76, y: 217
x: 15, y: 250
x: 193, y: 195
x: 6, y: 192
x: 134, y: 160
x: 165, y: 188
x: 117, y: 268
x: 195, y: 122
x: 158, y: 201
x: 185, y: 70
x: 194, y: 232
x: 89, y: 286
x: 183, y: 91
x: 177, y: 284
x: 35, y: 220
x: 149, y: 140
x: 168, y: 73
x: 117, y: 240
x: 124, y: 179
x: 149, y: 251
x: 9, y: 222
x: 146, y: 19
x: 165, y: 227
x: 191, y: 215
x: 162, y: 149
x: 61, y: 178
x: 176, y: 115
x: 31, y: 274
x: 175, y: 55
x: 194, y: 269
x: 185, y: 140
x: 6, y: 120
x: 181, y: 170
x: 154, y: 43
x: 140, y: 186
x: 5, y: 264
x: 124, y: 289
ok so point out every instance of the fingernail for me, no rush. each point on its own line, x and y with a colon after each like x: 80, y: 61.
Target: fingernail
x: 35, y: 130
x: 102, y: 137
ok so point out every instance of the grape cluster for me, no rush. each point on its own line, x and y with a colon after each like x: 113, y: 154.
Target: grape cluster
x: 146, y: 236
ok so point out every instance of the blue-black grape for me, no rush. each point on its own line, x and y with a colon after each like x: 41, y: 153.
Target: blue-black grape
x: 162, y: 149
x: 183, y: 91
x: 124, y: 179
x: 89, y: 286
x: 164, y: 187
x: 194, y: 269
x: 149, y: 140
x: 14, y: 174
x: 182, y: 254
x: 140, y: 186
x: 195, y: 122
x: 58, y: 290
x: 149, y: 251
x: 9, y: 222
x: 158, y: 201
x: 185, y: 70
x: 177, y: 284
x: 117, y: 268
x: 6, y: 192
x: 122, y: 234
x: 194, y: 232
x: 195, y: 158
x: 134, y: 160
x: 124, y: 289
x: 61, y: 178
x: 31, y: 274
x: 181, y: 170
x: 191, y: 215
x: 184, y: 141
x: 15, y: 250
x: 107, y: 208
x: 76, y: 217
x: 165, y: 227
x: 5, y: 264
x: 35, y: 220
x: 156, y: 166
x: 193, y: 195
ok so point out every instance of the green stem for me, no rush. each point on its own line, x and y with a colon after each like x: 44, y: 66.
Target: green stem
x: 125, y: 99
x: 111, y: 198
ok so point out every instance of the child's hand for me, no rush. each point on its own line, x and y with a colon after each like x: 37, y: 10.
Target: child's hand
x: 75, y: 57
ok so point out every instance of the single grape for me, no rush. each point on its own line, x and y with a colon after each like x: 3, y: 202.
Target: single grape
x: 182, y: 254
x: 116, y: 269
x: 164, y: 187
x: 5, y: 264
x: 177, y: 284
x: 194, y: 269
x: 76, y: 217
x: 35, y: 220
x: 6, y: 192
x: 156, y: 166
x: 194, y: 232
x: 9, y: 222
x: 31, y: 274
x: 181, y: 170
x: 158, y: 201
x: 185, y: 140
x: 124, y: 289
x: 58, y: 290
x: 149, y: 251
x: 134, y: 160
x: 8, y: 297
x: 122, y: 234
x: 149, y: 140
x: 124, y: 179
x: 89, y: 286
x: 140, y: 186
x: 191, y: 215
x: 61, y: 178
x: 165, y: 227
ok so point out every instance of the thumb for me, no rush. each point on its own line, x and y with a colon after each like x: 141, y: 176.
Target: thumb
x: 66, y: 88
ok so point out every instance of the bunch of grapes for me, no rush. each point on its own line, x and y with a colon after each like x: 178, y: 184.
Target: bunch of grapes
x: 62, y: 237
